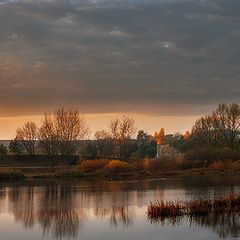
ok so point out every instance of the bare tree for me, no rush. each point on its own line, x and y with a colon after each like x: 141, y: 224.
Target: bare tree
x: 48, y: 136
x: 216, y: 135
x: 103, y: 143
x: 122, y: 130
x: 70, y: 127
x: 226, y: 119
x: 28, y: 135
x: 204, y: 132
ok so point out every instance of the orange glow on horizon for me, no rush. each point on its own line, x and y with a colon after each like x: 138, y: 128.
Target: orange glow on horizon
x: 148, y: 123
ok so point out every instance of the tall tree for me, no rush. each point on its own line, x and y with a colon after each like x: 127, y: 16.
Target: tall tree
x: 226, y: 119
x: 122, y: 130
x: 146, y: 145
x: 48, y: 136
x: 28, y: 135
x: 63, y: 130
x: 160, y: 136
x: 103, y: 143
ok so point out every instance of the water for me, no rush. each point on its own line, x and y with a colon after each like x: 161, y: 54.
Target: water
x: 104, y: 210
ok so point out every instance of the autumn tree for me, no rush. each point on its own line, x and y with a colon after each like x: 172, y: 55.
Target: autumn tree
x: 70, y: 128
x: 187, y: 136
x: 27, y: 135
x: 204, y: 132
x: 216, y: 136
x: 159, y: 136
x: 48, y: 135
x: 103, y: 144
x: 226, y: 119
x: 62, y: 131
x: 219, y: 129
x: 122, y: 130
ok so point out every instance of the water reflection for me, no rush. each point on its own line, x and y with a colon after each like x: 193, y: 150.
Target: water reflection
x: 62, y: 209
x: 225, y: 225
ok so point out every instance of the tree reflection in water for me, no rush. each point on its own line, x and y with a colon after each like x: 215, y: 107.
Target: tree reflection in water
x: 117, y: 215
x: 225, y: 225
x: 62, y: 209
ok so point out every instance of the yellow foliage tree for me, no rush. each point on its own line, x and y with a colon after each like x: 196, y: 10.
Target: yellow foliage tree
x: 159, y: 136
x: 187, y: 136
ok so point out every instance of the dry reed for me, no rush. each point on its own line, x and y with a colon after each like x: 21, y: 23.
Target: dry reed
x: 197, y: 207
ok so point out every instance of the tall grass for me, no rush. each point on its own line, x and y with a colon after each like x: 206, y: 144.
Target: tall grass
x: 104, y: 166
x: 116, y: 166
x: 197, y: 207
x: 92, y: 166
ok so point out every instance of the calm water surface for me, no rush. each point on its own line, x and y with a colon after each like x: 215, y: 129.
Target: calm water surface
x: 110, y: 209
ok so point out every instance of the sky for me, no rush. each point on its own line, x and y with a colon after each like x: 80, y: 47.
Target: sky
x: 163, y: 62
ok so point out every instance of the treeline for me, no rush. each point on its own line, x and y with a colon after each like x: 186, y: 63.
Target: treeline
x: 65, y: 132
x: 216, y: 136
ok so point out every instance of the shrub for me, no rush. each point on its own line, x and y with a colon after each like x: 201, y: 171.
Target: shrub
x: 147, y: 162
x: 208, y: 155
x: 225, y: 165
x: 218, y: 165
x: 160, y: 164
x: 116, y: 166
x: 92, y: 165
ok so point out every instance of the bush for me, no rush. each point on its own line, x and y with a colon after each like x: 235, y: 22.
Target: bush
x: 91, y: 166
x: 218, y: 165
x: 161, y: 164
x: 225, y: 165
x: 208, y: 155
x: 116, y: 166
x: 200, y: 155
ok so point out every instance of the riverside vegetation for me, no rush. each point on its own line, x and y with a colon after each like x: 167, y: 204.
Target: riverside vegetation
x: 213, y: 145
x: 159, y: 211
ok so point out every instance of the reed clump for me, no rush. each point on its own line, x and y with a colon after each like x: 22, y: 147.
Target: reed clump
x: 197, y: 207
x: 162, y: 209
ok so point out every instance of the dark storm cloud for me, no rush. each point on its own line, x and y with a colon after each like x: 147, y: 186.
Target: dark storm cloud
x: 155, y: 56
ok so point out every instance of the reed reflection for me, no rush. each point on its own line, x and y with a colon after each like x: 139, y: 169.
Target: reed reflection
x: 63, y: 209
x: 225, y: 225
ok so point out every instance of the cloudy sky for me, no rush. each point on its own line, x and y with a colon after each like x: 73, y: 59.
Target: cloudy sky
x: 163, y: 61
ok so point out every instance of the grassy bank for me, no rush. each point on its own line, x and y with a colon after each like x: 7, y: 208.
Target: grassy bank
x: 63, y: 172
x: 147, y: 168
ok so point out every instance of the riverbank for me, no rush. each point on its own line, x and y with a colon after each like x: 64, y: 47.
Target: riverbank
x: 16, y: 173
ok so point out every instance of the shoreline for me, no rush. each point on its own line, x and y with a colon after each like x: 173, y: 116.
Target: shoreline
x: 16, y: 173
